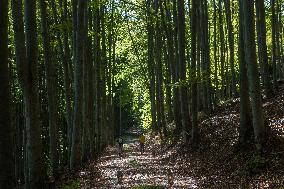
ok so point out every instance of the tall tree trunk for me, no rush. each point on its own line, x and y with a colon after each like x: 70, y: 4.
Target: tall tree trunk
x: 246, y: 129
x: 194, y: 108
x: 97, y: 64
x: 231, y: 45
x: 274, y: 42
x: 151, y: 65
x: 215, y: 55
x: 76, y: 151
x: 172, y: 60
x: 222, y: 48
x: 36, y: 166
x: 254, y: 84
x: 67, y: 70
x: 183, y: 89
x: 87, y: 124
x: 6, y: 131
x: 103, y: 76
x: 20, y: 49
x: 262, y: 52
x: 51, y: 92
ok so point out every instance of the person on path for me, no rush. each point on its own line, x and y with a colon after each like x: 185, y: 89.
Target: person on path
x: 142, y: 142
x: 120, y: 146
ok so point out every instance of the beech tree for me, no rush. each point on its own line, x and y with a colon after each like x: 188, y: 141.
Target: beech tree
x: 75, y: 75
x: 6, y: 142
x: 252, y: 71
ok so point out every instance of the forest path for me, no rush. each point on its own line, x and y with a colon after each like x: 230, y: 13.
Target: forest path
x: 138, y: 169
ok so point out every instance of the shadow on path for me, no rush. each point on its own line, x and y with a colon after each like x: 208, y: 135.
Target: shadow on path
x: 137, y: 169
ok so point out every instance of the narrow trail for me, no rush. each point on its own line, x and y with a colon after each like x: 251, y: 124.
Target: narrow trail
x: 138, y: 169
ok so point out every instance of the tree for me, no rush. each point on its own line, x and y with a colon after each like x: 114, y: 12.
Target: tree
x: 231, y: 45
x: 6, y: 131
x: 183, y: 90
x: 246, y: 129
x: 194, y: 19
x: 51, y: 91
x: 174, y: 67
x: 254, y: 84
x: 262, y: 52
x: 150, y: 36
x: 76, y: 151
x: 274, y: 42
x: 36, y: 165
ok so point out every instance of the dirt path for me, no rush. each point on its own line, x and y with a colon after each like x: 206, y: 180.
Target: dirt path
x: 138, y: 169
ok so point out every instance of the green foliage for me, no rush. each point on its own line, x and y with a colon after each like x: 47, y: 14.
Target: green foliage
x: 74, y: 184
x: 147, y: 187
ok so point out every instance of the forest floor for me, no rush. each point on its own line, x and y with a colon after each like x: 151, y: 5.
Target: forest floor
x: 217, y: 163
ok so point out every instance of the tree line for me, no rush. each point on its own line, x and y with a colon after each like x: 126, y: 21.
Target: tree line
x: 60, y: 61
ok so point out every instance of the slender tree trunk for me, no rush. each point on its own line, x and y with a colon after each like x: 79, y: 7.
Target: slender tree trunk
x: 67, y: 81
x: 159, y: 73
x: 36, y: 166
x: 222, y: 48
x: 87, y: 124
x: 194, y: 108
x: 76, y: 151
x: 6, y: 131
x: 262, y: 52
x: 254, y: 84
x: 168, y: 67
x: 172, y: 60
x: 103, y: 83
x: 274, y: 43
x: 246, y: 129
x: 51, y: 92
x: 215, y: 55
x: 20, y: 49
x: 231, y: 45
x: 184, y: 94
x: 97, y: 63
x: 151, y: 65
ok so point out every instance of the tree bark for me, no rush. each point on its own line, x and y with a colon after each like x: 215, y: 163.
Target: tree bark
x: 262, y: 52
x: 36, y: 165
x: 183, y: 88
x: 246, y: 129
x: 50, y: 70
x: 254, y: 84
x: 76, y: 151
x: 7, y: 179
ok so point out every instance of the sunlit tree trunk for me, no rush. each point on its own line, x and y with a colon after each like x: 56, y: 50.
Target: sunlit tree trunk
x: 222, y: 48
x: 150, y: 63
x: 172, y: 60
x: 159, y: 73
x: 216, y: 93
x: 231, y: 45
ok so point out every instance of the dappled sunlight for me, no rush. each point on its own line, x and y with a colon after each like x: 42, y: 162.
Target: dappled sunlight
x: 137, y: 169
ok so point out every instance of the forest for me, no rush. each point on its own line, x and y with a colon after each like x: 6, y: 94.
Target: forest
x: 203, y: 80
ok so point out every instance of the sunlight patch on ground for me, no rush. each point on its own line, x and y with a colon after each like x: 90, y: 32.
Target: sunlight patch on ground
x: 138, y: 169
